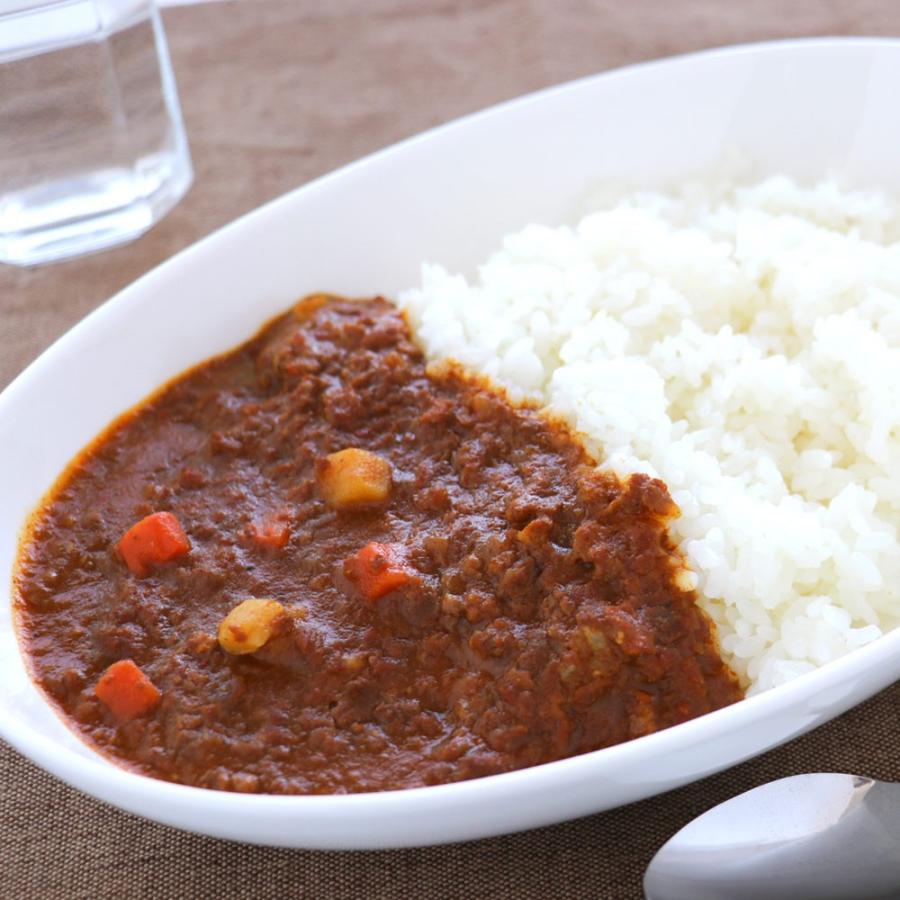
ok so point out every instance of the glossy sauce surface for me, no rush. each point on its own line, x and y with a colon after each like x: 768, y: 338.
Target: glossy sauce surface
x: 542, y: 617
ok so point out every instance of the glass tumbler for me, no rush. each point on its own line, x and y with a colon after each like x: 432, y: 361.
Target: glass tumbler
x: 92, y: 146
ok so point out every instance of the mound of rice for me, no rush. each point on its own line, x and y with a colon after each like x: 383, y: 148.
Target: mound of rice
x: 742, y: 344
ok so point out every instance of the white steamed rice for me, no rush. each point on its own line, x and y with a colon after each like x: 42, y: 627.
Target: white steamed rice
x: 743, y: 344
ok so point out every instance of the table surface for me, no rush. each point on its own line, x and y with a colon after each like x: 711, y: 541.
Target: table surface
x: 276, y: 92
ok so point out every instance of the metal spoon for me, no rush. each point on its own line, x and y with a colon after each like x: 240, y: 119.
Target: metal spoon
x: 809, y: 837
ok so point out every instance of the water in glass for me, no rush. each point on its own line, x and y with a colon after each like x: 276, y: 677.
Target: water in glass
x: 92, y: 146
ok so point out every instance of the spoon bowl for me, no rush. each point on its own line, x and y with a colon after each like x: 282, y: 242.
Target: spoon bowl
x: 822, y: 836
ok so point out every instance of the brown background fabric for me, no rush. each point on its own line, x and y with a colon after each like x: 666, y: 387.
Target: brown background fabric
x: 276, y: 92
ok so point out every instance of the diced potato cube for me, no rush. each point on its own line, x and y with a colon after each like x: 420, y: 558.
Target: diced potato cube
x: 249, y: 625
x: 354, y: 478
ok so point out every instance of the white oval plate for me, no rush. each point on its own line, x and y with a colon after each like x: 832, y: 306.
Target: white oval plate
x: 803, y: 107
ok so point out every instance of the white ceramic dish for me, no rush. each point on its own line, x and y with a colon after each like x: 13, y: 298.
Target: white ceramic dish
x: 804, y: 107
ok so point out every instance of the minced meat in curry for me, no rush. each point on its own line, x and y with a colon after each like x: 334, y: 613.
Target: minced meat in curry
x: 309, y: 566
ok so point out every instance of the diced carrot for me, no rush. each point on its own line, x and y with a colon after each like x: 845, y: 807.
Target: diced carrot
x: 378, y: 569
x: 271, y: 534
x: 157, y: 538
x: 126, y: 690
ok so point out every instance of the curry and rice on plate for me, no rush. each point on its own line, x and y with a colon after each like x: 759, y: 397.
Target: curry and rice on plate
x: 637, y: 468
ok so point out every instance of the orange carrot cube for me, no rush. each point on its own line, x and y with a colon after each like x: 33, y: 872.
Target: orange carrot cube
x: 157, y: 538
x: 378, y: 569
x: 126, y: 690
x: 271, y: 534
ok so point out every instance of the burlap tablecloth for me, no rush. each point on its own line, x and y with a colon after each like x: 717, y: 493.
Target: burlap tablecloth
x: 276, y: 92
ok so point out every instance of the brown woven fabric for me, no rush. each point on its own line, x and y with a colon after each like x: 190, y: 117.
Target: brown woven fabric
x: 276, y: 92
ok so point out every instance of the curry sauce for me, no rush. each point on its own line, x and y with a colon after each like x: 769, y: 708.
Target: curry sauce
x: 310, y: 566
